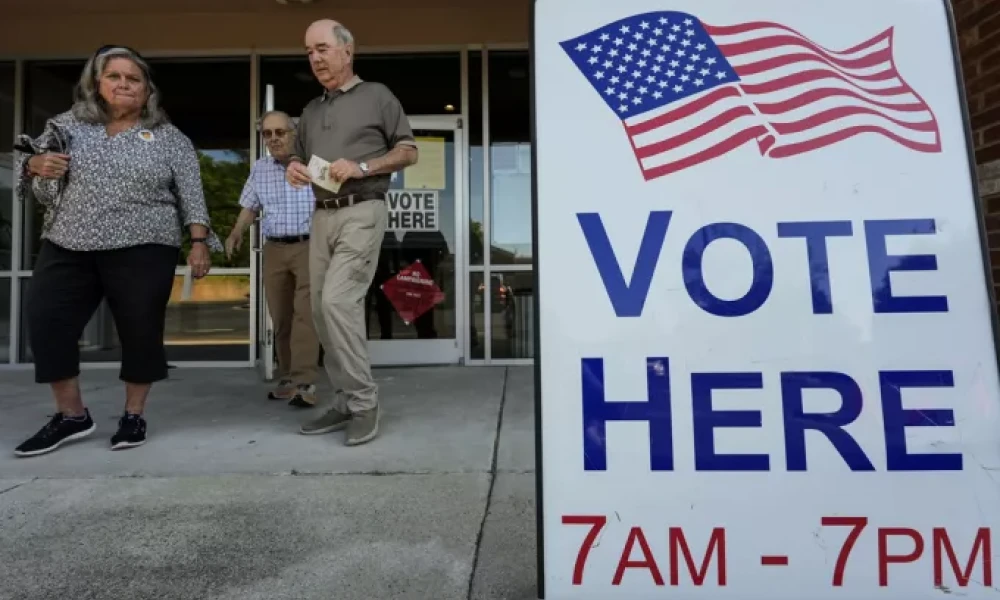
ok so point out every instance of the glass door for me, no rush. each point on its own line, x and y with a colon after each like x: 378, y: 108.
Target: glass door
x: 414, y: 306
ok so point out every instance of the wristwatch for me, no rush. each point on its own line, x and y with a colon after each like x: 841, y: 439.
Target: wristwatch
x: 364, y: 168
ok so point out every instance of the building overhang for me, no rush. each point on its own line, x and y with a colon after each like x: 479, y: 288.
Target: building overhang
x: 70, y: 28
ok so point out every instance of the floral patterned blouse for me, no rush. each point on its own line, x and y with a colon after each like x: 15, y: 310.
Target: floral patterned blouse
x: 140, y: 186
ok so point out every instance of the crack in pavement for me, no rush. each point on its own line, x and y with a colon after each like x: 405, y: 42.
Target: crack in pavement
x: 14, y: 487
x: 294, y: 473
x: 244, y: 474
x: 493, y: 479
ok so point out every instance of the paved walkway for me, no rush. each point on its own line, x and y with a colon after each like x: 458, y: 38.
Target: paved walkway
x: 228, y: 502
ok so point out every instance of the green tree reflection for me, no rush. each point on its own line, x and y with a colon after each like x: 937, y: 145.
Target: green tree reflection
x: 223, y: 182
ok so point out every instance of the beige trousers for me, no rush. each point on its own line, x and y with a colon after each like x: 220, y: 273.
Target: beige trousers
x: 343, y: 254
x: 286, y: 285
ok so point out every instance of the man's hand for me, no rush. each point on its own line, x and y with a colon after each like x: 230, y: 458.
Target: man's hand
x: 297, y: 174
x: 344, y: 169
x: 233, y: 243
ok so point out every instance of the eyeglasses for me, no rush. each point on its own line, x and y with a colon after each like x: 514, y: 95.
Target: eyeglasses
x: 269, y: 133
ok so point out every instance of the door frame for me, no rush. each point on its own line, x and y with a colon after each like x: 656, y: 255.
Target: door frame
x: 262, y: 341
x: 384, y: 353
x: 381, y: 352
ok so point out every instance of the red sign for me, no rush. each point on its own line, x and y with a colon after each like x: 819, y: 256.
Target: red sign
x: 412, y: 292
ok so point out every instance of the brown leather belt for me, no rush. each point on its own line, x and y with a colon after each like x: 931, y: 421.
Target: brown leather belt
x: 348, y: 200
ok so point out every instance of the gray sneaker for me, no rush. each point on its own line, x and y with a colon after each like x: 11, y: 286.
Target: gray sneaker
x: 333, y: 420
x: 363, y: 427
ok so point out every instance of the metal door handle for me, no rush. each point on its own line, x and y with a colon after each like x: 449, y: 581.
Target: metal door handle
x: 255, y: 235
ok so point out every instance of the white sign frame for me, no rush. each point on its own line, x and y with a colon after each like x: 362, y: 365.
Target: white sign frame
x: 552, y: 387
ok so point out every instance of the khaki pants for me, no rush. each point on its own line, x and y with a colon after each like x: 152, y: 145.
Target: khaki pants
x: 343, y: 254
x: 286, y: 284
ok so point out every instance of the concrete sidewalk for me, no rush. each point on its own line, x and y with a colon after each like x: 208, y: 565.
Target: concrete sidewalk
x: 227, y: 500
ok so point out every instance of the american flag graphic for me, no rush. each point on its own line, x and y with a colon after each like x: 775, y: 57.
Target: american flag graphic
x: 688, y: 92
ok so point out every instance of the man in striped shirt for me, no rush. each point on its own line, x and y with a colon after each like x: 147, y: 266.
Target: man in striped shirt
x: 286, y: 224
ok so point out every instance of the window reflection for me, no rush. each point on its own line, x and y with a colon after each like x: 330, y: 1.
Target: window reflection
x: 510, y: 158
x: 510, y: 197
x: 209, y: 319
x: 477, y: 318
x: 206, y: 319
x: 476, y: 186
x: 218, y: 125
x: 48, y: 91
x: 212, y: 311
x: 6, y: 201
x: 511, y: 318
x: 5, y: 330
x: 6, y: 170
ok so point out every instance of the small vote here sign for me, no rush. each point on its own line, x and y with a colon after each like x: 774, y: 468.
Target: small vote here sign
x: 412, y: 210
x: 767, y: 360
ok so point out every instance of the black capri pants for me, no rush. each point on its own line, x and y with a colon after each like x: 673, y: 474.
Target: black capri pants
x: 67, y: 287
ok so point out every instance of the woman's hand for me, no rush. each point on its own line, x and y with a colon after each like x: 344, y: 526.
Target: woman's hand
x: 199, y: 260
x: 50, y: 165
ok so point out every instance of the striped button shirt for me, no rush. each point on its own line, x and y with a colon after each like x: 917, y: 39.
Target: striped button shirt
x: 287, y: 209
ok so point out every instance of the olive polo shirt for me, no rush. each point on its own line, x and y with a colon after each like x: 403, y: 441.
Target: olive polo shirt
x: 359, y: 121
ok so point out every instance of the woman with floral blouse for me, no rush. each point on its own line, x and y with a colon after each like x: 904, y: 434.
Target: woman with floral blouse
x: 119, y: 184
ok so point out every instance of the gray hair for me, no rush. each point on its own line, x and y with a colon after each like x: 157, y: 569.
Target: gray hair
x: 90, y: 107
x: 271, y: 113
x: 344, y: 36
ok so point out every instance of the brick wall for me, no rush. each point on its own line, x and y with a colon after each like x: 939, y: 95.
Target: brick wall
x: 978, y: 24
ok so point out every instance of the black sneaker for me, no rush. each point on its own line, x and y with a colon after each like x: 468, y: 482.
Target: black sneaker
x: 305, y: 396
x: 131, y: 432
x: 285, y: 390
x: 57, y: 432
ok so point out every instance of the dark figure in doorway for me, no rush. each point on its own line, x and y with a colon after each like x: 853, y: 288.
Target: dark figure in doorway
x: 388, y: 266
x: 431, y: 249
x: 112, y: 230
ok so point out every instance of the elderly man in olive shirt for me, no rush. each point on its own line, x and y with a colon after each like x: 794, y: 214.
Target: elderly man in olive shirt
x: 360, y: 128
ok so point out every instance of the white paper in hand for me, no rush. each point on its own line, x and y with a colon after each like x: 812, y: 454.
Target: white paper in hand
x: 319, y: 171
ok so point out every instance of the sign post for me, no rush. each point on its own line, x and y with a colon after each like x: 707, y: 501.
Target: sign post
x: 767, y: 345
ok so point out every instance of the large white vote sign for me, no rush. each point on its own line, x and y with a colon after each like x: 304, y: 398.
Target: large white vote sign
x: 767, y: 363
